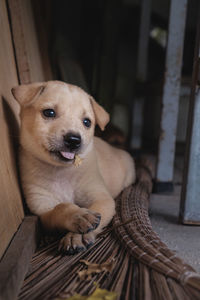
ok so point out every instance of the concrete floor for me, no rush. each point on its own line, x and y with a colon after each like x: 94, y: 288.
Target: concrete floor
x: 184, y: 239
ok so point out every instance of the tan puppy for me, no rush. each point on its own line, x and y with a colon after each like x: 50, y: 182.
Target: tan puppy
x: 57, y: 127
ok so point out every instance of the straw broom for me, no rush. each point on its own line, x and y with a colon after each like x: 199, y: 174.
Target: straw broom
x: 143, y: 266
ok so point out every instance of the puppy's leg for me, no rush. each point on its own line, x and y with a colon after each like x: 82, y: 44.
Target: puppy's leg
x: 68, y: 216
x: 102, y: 204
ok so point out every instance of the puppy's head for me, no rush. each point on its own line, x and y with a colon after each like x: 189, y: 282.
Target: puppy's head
x: 57, y: 120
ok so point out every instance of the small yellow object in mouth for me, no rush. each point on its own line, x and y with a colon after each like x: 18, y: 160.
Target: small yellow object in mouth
x: 77, y: 160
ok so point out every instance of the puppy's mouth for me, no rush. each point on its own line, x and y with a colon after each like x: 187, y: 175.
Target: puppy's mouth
x: 64, y: 155
x: 66, y: 147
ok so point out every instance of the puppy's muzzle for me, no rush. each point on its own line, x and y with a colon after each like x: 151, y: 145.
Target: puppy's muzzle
x: 72, y: 141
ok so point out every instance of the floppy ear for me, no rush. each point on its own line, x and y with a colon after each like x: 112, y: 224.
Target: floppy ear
x: 26, y: 93
x: 102, y: 117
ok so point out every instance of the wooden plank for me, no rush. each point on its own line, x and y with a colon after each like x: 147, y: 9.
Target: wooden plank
x: 15, y: 262
x: 42, y: 11
x: 11, y: 209
x: 29, y: 61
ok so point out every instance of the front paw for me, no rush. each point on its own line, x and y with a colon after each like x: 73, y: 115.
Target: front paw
x: 73, y: 243
x: 84, y: 221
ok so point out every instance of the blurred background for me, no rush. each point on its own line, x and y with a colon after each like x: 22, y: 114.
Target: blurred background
x: 94, y: 44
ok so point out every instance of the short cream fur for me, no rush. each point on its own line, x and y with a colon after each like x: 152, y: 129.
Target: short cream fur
x: 69, y: 198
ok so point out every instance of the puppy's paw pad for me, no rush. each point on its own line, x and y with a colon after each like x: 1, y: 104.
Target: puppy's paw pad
x: 93, y: 218
x: 69, y: 251
x: 89, y: 239
x: 74, y: 250
x: 85, y: 221
x: 71, y: 244
x: 82, y: 224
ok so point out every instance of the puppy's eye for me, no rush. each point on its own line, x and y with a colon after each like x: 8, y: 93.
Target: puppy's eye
x: 49, y: 113
x: 87, y: 123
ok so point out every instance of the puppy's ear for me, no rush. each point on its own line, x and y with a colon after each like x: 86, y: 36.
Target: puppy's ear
x: 102, y: 117
x: 25, y: 94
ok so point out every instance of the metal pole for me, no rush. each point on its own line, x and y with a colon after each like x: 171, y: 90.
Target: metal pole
x: 190, y: 198
x: 141, y: 72
x: 171, y: 94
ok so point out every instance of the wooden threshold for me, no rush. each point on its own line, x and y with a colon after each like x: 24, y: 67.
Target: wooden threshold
x: 15, y: 262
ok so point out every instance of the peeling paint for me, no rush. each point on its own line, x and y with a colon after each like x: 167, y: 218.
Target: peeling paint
x: 171, y: 91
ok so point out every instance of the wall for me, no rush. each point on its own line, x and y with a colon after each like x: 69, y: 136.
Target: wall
x: 11, y: 208
x: 21, y: 61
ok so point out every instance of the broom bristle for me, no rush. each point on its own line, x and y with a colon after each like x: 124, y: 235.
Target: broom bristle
x: 144, y: 267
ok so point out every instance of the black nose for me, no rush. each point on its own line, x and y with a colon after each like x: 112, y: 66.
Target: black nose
x: 72, y: 141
